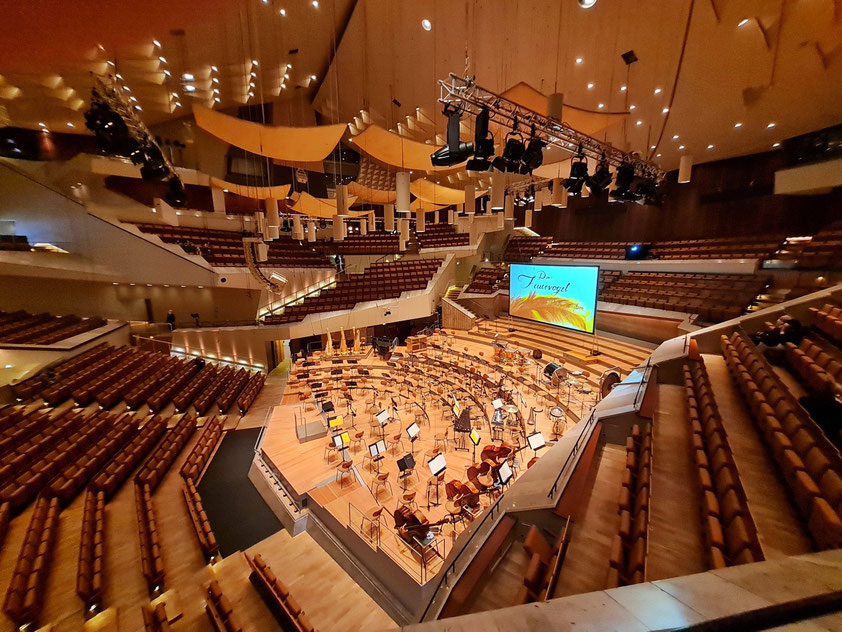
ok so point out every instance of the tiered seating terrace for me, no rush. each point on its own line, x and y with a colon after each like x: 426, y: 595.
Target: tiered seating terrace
x: 521, y: 248
x: 23, y: 328
x: 442, y: 236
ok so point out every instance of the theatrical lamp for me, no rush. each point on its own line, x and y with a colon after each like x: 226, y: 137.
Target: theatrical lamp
x: 455, y: 151
x: 625, y: 179
x: 600, y: 179
x: 483, y: 144
x: 533, y: 156
x: 578, y: 173
x: 512, y: 152
x: 649, y: 192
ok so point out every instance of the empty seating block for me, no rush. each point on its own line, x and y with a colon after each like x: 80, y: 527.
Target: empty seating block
x: 207, y: 540
x: 828, y: 320
x: 155, y: 467
x: 201, y: 452
x: 219, y: 610
x: 488, y: 281
x: 250, y: 392
x: 155, y: 618
x: 109, y: 479
x: 809, y: 464
x: 821, y: 372
x: 521, y: 248
x: 89, y: 573
x: 442, y: 236
x: 749, y: 247
x: 369, y: 244
x: 25, y: 595
x: 380, y: 280
x: 714, y: 297
x: 628, y: 551
x: 588, y: 250
x: 152, y: 564
x: 730, y: 533
x: 24, y: 328
x: 824, y: 250
x: 277, y: 597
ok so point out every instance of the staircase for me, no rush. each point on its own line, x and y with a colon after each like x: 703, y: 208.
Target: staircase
x: 453, y: 292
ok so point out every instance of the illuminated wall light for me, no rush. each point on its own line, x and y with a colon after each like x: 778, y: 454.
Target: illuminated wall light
x: 632, y: 107
x: 770, y: 126
x: 737, y: 125
x: 775, y: 145
x: 215, y: 80
x: 315, y: 4
x: 167, y: 73
x: 710, y: 146
x: 214, y: 68
x: 579, y: 60
x: 639, y: 123
x: 658, y: 155
x: 675, y: 137
x: 681, y: 146
x: 157, y: 43
x: 742, y: 22
x: 286, y: 75
x: 163, y: 60
x: 283, y: 12
x: 70, y: 125
x: 601, y: 105
x: 623, y: 88
x: 658, y: 91
x: 590, y: 86
x: 187, y: 76
x: 651, y: 146
x: 426, y: 24
x: 313, y: 77
x: 665, y: 110
x: 189, y: 88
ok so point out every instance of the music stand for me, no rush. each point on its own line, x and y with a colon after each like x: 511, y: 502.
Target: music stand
x: 412, y: 432
x: 437, y: 465
x: 505, y: 473
x: 497, y: 403
x: 382, y: 418
x: 375, y: 451
x: 475, y: 439
x: 406, y: 464
x: 536, y: 442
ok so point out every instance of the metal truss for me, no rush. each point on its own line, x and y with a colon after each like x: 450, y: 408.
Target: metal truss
x: 464, y: 93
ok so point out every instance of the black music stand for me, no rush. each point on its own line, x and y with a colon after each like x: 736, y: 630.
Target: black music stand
x: 475, y: 439
x: 405, y: 464
x: 462, y: 425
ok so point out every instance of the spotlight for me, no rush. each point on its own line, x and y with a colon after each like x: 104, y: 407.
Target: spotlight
x: 625, y: 179
x: 578, y: 173
x: 154, y: 166
x: 512, y: 152
x: 483, y: 144
x: 533, y: 156
x: 586, y: 4
x: 455, y: 151
x: 601, y: 178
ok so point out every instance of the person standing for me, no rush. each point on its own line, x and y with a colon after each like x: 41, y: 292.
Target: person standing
x: 171, y: 319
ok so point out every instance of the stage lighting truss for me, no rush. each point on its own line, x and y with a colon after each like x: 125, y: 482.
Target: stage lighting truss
x: 464, y: 94
x: 107, y: 91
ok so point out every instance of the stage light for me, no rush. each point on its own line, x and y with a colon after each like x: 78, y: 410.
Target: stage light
x: 578, y: 173
x: 737, y: 125
x: 483, y: 144
x: 710, y: 146
x: 586, y: 4
x: 770, y: 126
x: 624, y: 181
x: 533, y: 155
x: 426, y: 24
x: 455, y: 151
x: 601, y: 178
x: 512, y: 152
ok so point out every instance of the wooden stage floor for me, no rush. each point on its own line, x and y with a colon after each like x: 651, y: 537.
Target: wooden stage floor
x: 423, y: 389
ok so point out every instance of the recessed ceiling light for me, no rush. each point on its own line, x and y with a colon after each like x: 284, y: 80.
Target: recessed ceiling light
x: 254, y: 62
x: 163, y: 60
x: 251, y: 84
x: 189, y: 88
x: 187, y: 76
x: 216, y: 99
x: 315, y: 4
x: 658, y: 91
x: 665, y: 110
x: 770, y: 126
x: 313, y: 77
x: 710, y: 146
x: 742, y: 22
x: 215, y: 80
x: 586, y: 4
x: 579, y: 60
x: 426, y: 24
x: 283, y: 12
x: 640, y: 123
x: 70, y: 125
x: 681, y: 146
x: 590, y: 86
x: 737, y: 125
x: 214, y: 68
x: 775, y: 145
x: 286, y: 75
x: 157, y: 43
x: 675, y: 137
x: 657, y: 155
x: 601, y: 105
x: 623, y: 88
x: 651, y: 146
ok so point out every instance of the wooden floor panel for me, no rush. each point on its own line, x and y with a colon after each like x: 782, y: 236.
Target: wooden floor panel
x: 779, y: 528
x: 675, y: 545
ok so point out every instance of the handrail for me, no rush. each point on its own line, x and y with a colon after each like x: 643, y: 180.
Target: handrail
x: 271, y: 308
x: 451, y: 567
x: 459, y: 307
x: 591, y: 421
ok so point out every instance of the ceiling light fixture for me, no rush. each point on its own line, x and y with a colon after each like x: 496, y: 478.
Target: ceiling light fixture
x: 737, y: 125
x: 601, y: 178
x: 157, y: 43
x: 600, y: 105
x: 639, y: 123
x: 742, y: 22
x: 586, y: 4
x: 187, y: 77
x: 665, y: 110
x: 770, y: 126
x: 283, y: 12
x: 623, y: 88
x: 710, y: 146
x: 189, y: 88
x: 426, y: 24
x: 315, y: 4
x: 675, y: 137
x: 254, y: 62
x: 578, y: 173
x: 774, y: 145
x: 632, y: 107
x: 579, y: 60
x: 313, y: 77
x: 590, y: 86
x: 681, y: 146
x: 214, y: 68
x: 658, y: 91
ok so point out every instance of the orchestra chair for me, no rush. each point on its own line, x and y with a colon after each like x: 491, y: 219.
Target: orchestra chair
x: 373, y: 518
x: 358, y: 440
x: 421, y: 418
x: 408, y: 499
x: 395, y: 441
x: 442, y: 438
x: 382, y: 481
x: 330, y: 450
x: 343, y: 470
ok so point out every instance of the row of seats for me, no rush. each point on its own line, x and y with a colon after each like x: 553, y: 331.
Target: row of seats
x: 232, y: 390
x: 14, y: 242
x: 520, y: 248
x: 5, y: 520
x: 441, y: 235
x: 810, y: 467
x: 171, y: 385
x: 487, y: 281
x: 201, y: 453
x: 729, y: 529
x: 196, y: 385
x: 379, y: 281
x: 819, y: 369
x: 828, y: 320
x: 18, y: 423
x: 368, y: 244
x: 152, y: 564
x: 25, y: 595
x: 201, y: 525
x: 219, y: 610
x: 109, y: 479
x: 250, y: 392
x: 130, y: 362
x: 824, y: 250
x: 276, y: 595
x: 23, y: 328
x: 750, y: 247
x: 32, y: 476
x: 209, y: 395
x: 588, y: 250
x: 544, y: 565
x: 139, y: 392
x: 67, y: 385
x: 714, y: 297
x: 89, y: 570
x: 31, y: 387
x: 627, y: 564
x: 156, y: 465
x: 76, y: 474
x: 225, y: 248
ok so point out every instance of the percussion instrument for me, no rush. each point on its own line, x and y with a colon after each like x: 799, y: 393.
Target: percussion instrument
x: 511, y: 409
x: 556, y: 412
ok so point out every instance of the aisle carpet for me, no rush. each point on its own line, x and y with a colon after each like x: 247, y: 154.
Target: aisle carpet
x: 236, y: 512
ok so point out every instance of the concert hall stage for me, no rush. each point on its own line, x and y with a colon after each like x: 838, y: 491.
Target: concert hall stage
x: 428, y: 387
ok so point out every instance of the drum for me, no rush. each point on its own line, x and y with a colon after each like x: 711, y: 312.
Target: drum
x: 556, y: 413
